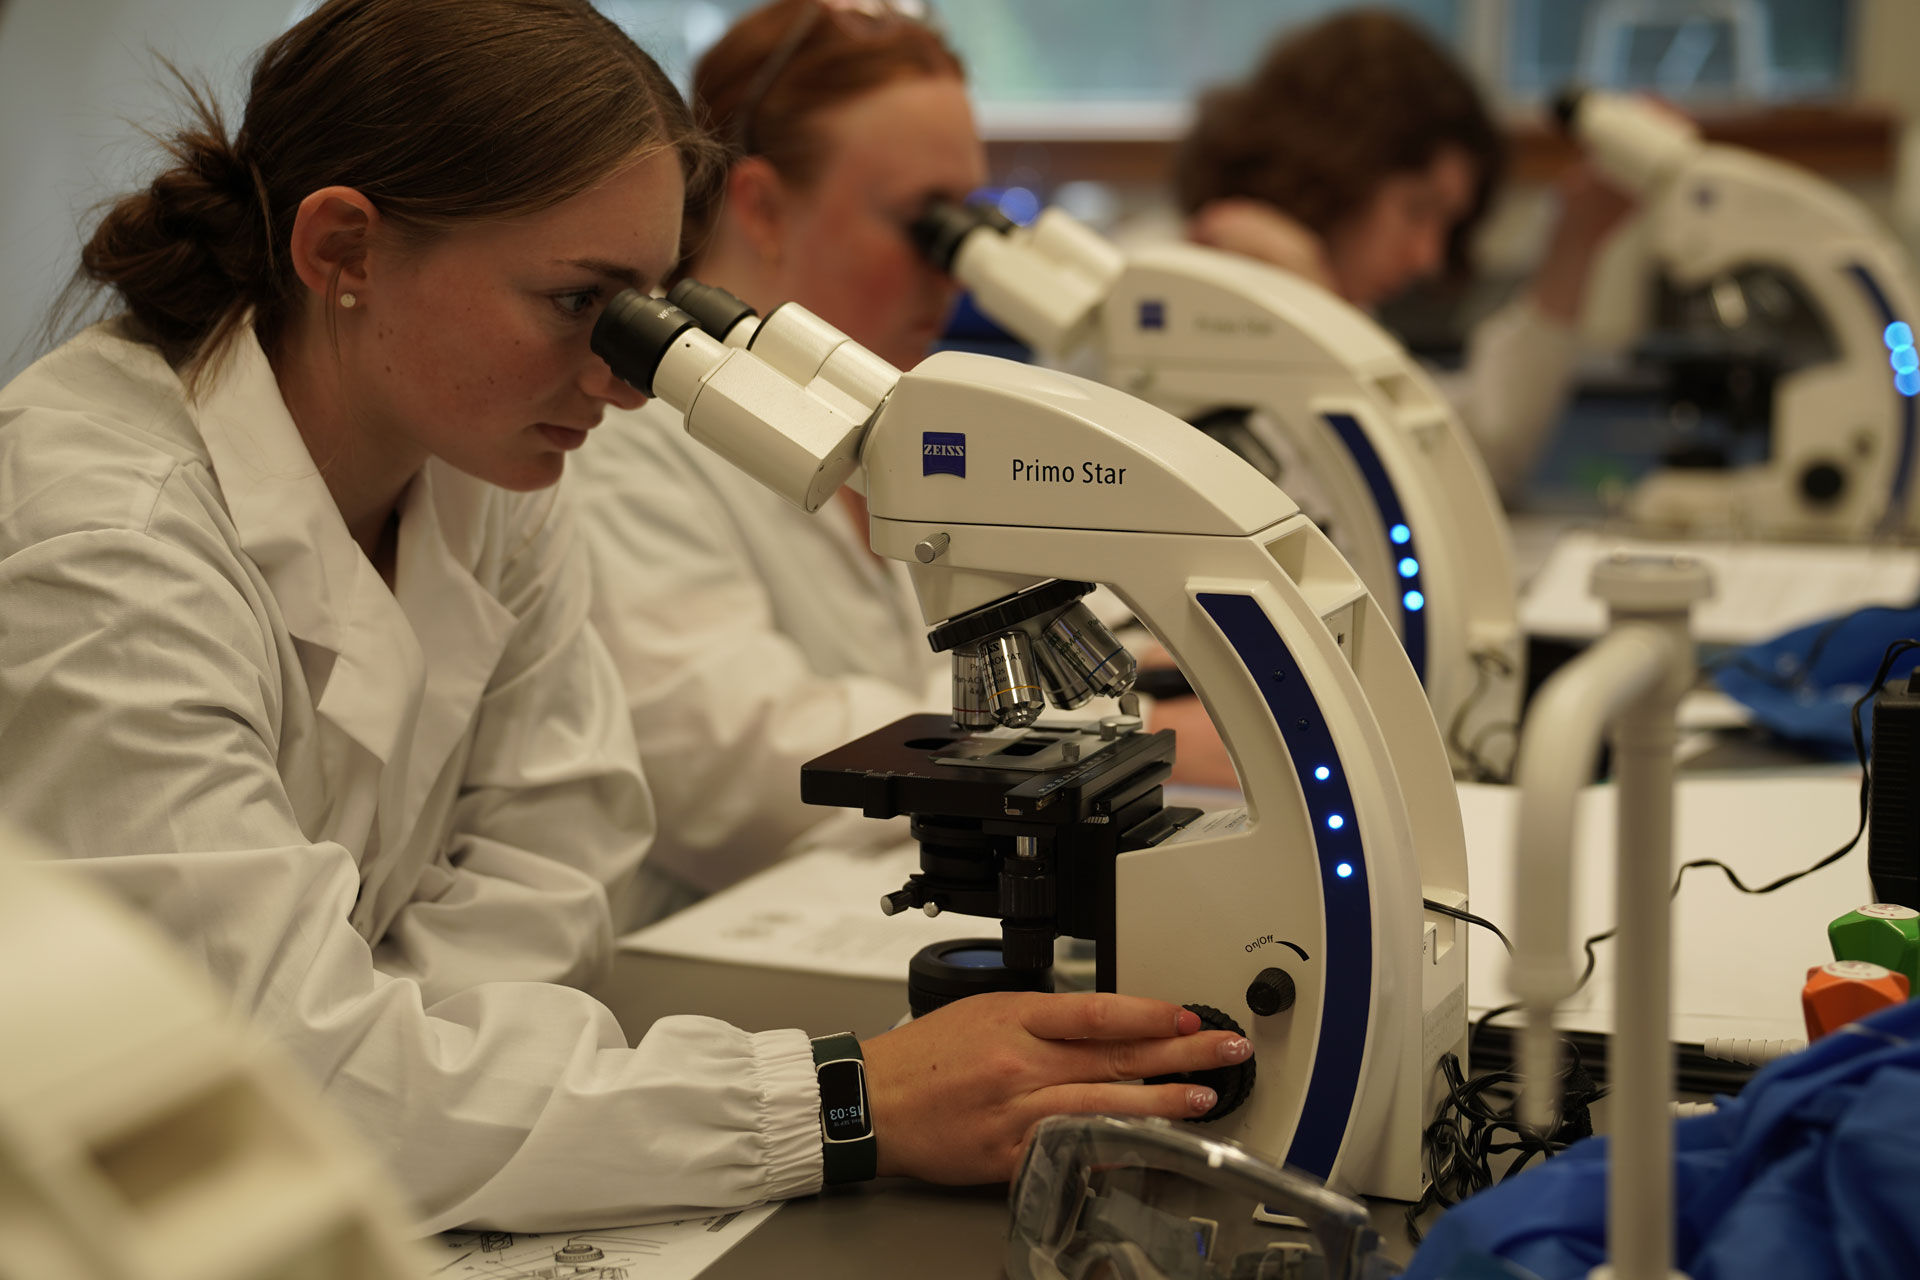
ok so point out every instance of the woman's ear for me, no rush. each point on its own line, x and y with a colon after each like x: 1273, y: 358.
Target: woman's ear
x: 757, y: 205
x: 331, y: 234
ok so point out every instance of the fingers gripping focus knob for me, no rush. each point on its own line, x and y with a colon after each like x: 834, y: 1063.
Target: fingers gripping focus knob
x: 1232, y: 1084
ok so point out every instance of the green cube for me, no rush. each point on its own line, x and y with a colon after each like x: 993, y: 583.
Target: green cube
x: 1883, y: 934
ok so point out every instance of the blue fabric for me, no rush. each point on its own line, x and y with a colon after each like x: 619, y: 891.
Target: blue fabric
x: 1813, y: 1171
x: 1813, y: 705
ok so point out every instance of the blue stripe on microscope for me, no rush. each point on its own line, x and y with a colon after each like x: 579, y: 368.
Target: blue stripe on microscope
x: 1903, y: 470
x: 1347, y: 957
x: 1413, y: 597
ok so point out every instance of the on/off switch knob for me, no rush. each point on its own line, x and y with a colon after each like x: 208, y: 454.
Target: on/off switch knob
x: 1270, y: 993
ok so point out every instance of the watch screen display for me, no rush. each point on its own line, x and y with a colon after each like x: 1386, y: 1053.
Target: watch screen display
x: 843, y: 1100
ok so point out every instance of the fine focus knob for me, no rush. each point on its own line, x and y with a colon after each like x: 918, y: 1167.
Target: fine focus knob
x: 1271, y: 992
x: 1230, y: 1085
x: 1823, y: 483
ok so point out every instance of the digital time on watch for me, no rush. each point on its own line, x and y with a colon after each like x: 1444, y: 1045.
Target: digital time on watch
x: 847, y: 1147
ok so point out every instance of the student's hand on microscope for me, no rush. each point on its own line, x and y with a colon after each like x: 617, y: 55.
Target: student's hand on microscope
x: 955, y: 1094
x: 1200, y: 757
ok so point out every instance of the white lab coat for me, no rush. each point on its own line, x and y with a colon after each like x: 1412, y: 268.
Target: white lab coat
x: 1512, y: 387
x: 750, y: 636
x: 386, y: 822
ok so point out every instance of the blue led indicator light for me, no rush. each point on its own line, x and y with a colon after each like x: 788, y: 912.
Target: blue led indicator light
x: 1322, y: 774
x: 1414, y: 601
x: 1907, y: 384
x: 1335, y: 822
x: 1344, y: 870
x: 1904, y: 360
x: 1401, y: 535
x: 1899, y: 334
x: 1408, y: 566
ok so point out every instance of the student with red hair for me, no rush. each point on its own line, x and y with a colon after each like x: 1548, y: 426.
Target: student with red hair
x: 750, y: 636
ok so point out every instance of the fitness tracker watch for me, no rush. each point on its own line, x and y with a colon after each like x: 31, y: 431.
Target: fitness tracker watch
x: 847, y: 1147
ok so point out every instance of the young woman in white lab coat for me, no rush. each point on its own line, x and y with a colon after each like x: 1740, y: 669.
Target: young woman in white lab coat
x: 295, y: 654
x: 750, y: 636
x: 1360, y: 154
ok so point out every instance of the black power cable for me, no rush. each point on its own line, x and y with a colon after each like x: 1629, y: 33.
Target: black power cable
x: 1487, y: 664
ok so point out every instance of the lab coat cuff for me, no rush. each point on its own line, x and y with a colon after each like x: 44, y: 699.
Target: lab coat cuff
x: 790, y: 1121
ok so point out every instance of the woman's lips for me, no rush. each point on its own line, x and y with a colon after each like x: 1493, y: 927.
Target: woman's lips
x: 563, y: 438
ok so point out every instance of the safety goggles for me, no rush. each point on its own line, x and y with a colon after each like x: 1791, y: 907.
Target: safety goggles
x: 1111, y: 1198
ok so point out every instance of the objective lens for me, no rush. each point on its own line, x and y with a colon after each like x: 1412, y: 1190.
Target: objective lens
x: 1011, y: 689
x: 1065, y: 687
x: 971, y: 710
x: 1086, y: 648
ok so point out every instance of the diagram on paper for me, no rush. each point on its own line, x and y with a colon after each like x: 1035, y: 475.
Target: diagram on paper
x: 663, y: 1251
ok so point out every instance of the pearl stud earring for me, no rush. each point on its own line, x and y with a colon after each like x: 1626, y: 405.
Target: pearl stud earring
x: 348, y: 300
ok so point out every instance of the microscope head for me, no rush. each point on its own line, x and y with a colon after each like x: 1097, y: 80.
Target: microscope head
x: 792, y: 406
x: 1045, y: 283
x: 1634, y: 142
x: 791, y: 414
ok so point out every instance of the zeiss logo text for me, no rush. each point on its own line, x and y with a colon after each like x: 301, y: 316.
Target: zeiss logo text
x: 943, y: 453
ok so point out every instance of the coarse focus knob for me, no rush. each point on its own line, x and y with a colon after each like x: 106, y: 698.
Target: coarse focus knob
x: 1270, y: 993
x: 1231, y: 1085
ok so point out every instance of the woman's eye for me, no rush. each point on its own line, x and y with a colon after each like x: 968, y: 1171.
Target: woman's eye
x: 576, y: 303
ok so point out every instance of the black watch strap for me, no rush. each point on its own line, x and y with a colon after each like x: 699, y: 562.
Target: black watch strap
x: 848, y: 1151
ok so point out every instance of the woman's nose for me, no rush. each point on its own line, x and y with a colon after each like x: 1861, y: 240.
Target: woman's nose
x: 604, y: 385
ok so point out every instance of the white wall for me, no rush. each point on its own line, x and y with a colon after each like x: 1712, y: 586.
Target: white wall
x: 77, y: 79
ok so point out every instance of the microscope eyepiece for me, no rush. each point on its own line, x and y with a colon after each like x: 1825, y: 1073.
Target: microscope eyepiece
x: 939, y: 232
x: 716, y: 310
x: 634, y: 334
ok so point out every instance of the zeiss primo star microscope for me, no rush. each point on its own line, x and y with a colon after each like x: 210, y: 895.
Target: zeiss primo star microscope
x: 1299, y: 918
x: 1745, y: 237
x: 1314, y: 394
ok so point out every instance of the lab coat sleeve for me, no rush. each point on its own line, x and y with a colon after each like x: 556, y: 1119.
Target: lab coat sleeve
x: 553, y: 811
x: 726, y: 708
x: 140, y: 705
x: 1519, y: 363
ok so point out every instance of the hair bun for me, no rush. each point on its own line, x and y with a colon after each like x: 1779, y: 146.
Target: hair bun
x: 195, y: 242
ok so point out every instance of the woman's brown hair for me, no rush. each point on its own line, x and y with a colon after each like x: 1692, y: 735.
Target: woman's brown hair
x: 762, y: 87
x: 438, y: 111
x: 1331, y: 112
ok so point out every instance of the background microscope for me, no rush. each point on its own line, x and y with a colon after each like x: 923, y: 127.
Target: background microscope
x: 1310, y: 391
x: 1786, y: 314
x: 1298, y: 918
